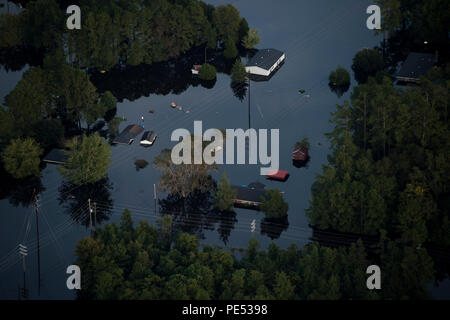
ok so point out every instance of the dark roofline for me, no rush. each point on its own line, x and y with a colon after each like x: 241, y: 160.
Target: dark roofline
x: 265, y: 58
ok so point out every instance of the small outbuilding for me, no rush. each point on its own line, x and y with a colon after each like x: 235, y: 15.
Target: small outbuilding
x: 265, y: 62
x: 416, y: 65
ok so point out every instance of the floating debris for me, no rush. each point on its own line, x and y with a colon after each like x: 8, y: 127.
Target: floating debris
x: 301, y: 91
x: 173, y: 104
x: 151, y: 111
x: 308, y: 96
x: 179, y: 108
x: 187, y: 111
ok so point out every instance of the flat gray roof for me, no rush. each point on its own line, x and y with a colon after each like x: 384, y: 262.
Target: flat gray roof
x: 265, y: 58
x: 57, y: 156
x: 128, y: 134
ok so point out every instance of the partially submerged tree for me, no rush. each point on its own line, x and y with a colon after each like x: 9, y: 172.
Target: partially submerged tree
x: 207, y: 72
x: 238, y: 73
x: 339, y: 77
x: 182, y: 179
x: 230, y: 51
x: 225, y: 195
x: 367, y: 63
x: 273, y: 204
x: 89, y: 159
x: 21, y: 158
x: 251, y: 39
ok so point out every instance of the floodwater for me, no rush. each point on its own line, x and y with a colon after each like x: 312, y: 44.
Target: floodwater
x: 316, y: 37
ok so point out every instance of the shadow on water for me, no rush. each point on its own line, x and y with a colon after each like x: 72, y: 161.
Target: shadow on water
x: 19, y: 192
x: 339, y: 90
x: 274, y: 227
x: 192, y: 215
x: 239, y: 89
x: 162, y: 78
x: 195, y: 214
x: 16, y: 58
x: 301, y: 163
x: 75, y: 199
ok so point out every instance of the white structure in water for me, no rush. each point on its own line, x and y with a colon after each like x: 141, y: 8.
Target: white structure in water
x: 265, y: 61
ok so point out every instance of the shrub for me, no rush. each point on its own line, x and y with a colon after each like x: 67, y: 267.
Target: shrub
x: 207, y: 72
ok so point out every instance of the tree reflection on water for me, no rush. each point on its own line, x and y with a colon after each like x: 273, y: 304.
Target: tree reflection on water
x: 195, y: 214
x: 75, y: 199
x: 274, y: 227
x: 19, y: 192
x: 162, y: 78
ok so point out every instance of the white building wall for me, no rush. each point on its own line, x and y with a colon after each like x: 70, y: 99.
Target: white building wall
x: 263, y: 72
x: 257, y: 70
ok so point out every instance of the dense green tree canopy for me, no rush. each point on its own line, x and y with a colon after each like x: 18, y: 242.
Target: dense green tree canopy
x: 21, y: 158
x: 251, y: 39
x: 390, y: 163
x: 225, y: 195
x: 366, y: 63
x: 207, y: 72
x: 339, y: 77
x: 274, y: 205
x: 89, y: 159
x: 238, y: 73
x: 145, y: 262
x: 117, y: 32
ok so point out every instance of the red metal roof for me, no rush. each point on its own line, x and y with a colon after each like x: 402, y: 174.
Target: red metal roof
x: 278, y: 174
x: 300, y: 153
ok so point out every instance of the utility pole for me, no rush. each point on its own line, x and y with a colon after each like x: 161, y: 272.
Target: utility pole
x: 253, y: 227
x: 95, y: 214
x: 36, y: 209
x: 90, y: 214
x: 23, y: 251
x: 249, y: 82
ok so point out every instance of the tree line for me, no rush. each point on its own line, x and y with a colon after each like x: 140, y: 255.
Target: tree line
x: 128, y: 32
x: 389, y: 168
x: 149, y: 262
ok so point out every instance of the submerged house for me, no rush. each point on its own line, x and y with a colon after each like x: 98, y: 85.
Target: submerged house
x: 265, y: 62
x: 416, y: 65
x: 249, y: 195
x: 128, y: 134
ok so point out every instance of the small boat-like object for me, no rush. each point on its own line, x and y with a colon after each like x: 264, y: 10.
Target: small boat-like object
x: 151, y: 111
x: 148, y: 138
x: 173, y: 104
